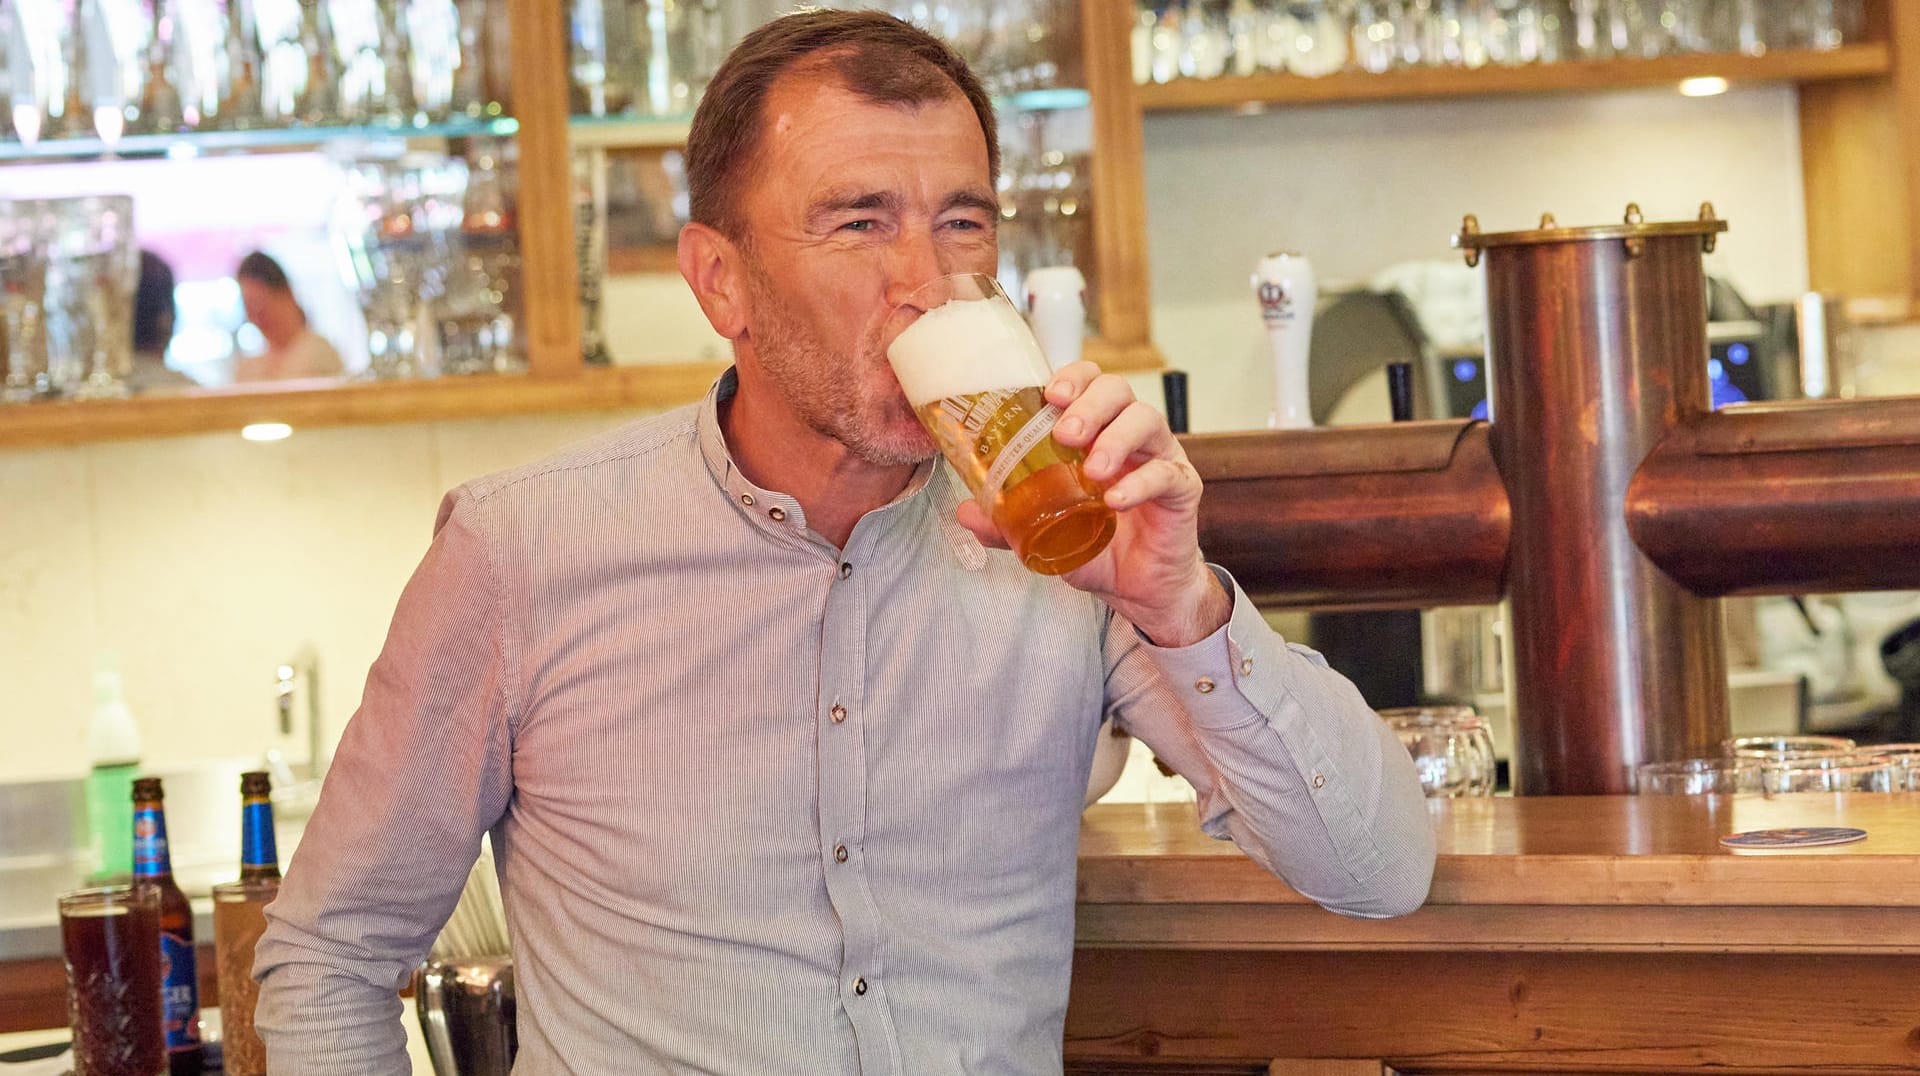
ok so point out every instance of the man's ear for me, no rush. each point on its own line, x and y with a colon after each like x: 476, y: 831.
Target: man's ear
x: 714, y: 268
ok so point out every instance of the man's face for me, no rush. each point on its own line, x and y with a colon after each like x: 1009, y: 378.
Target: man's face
x: 853, y: 206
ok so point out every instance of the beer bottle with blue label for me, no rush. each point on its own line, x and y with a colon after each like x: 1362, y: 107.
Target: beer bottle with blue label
x: 180, y: 988
x: 259, y: 859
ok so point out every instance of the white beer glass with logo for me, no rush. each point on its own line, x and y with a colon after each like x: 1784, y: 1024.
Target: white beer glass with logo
x: 976, y: 377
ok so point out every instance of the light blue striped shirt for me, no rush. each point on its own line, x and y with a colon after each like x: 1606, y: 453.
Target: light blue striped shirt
x: 761, y: 805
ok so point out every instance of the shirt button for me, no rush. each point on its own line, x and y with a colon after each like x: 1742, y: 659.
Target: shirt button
x: 846, y: 570
x: 860, y: 987
x: 839, y: 853
x: 1319, y: 780
x: 839, y: 713
x: 779, y: 515
x: 747, y: 499
x: 1246, y: 666
x: 1204, y: 685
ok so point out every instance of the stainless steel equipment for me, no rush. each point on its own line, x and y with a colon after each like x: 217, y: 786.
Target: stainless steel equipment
x: 466, y: 1014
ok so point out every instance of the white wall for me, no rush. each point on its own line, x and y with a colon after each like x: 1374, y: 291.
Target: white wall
x: 1360, y: 187
x: 205, y: 561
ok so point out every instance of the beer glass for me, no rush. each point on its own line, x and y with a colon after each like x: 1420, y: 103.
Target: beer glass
x: 1774, y: 748
x: 974, y: 374
x: 111, y: 937
x: 1452, y: 749
x: 1840, y: 773
x: 1700, y: 777
x: 239, y: 918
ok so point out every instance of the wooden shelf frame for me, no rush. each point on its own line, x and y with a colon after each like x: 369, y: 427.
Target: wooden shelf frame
x: 1865, y: 60
x: 310, y: 404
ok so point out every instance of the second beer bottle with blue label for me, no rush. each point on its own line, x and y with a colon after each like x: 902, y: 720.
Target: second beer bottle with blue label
x: 180, y: 988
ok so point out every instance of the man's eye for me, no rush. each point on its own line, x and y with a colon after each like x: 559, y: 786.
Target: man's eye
x: 857, y: 226
x: 966, y: 224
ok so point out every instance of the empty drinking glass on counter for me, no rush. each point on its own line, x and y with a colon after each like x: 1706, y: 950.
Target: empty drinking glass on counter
x: 1451, y: 746
x: 1700, y: 777
x: 1839, y: 773
x: 1773, y: 748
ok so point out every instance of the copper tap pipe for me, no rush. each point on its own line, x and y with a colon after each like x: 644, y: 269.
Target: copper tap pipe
x: 1359, y: 517
x: 1597, y: 347
x: 1785, y: 498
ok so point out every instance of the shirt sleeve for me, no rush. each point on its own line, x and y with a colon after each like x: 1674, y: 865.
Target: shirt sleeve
x: 422, y: 770
x: 1287, y: 759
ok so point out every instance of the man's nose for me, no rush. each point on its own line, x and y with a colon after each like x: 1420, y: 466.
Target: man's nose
x: 913, y: 260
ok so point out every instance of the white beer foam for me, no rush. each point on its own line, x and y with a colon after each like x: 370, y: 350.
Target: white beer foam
x: 966, y: 346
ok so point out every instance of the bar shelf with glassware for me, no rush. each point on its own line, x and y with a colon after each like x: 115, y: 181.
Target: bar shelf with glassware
x: 1224, y: 53
x: 1866, y: 60
x: 266, y: 138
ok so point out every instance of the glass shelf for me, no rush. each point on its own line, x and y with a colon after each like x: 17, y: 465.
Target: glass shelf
x: 668, y: 132
x: 197, y: 142
x: 1048, y: 100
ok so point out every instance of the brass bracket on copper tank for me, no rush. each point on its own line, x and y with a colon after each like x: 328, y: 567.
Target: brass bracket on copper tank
x: 1606, y: 500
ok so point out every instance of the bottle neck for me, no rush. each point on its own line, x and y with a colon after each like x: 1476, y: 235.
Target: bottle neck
x: 151, y: 859
x: 259, y: 858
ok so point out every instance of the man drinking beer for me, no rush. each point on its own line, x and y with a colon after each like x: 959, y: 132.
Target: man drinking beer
x: 782, y: 755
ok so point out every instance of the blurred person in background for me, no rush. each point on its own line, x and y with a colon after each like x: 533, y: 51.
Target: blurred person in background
x: 153, y: 329
x: 293, y: 349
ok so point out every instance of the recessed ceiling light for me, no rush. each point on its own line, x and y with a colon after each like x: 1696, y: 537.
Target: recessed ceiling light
x: 266, y: 431
x: 1709, y: 86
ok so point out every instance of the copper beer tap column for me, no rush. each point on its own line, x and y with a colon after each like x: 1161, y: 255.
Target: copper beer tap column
x: 1597, y: 345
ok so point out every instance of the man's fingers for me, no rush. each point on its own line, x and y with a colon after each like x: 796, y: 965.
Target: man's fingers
x: 1135, y: 433
x: 1099, y: 404
x: 1165, y: 480
x: 1070, y: 381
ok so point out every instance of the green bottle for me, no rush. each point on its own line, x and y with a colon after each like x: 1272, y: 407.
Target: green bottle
x: 113, y: 744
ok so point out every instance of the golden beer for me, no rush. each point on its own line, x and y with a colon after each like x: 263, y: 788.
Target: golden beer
x: 974, y: 375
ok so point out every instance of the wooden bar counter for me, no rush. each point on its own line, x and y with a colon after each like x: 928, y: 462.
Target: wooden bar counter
x: 1563, y: 935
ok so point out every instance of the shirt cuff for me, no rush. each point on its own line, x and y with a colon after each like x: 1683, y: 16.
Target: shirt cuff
x: 1234, y: 677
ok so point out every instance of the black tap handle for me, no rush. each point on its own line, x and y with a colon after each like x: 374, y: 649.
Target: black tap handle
x: 1173, y: 384
x: 1400, y: 390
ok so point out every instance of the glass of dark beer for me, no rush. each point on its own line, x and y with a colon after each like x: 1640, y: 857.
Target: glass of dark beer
x: 111, y: 937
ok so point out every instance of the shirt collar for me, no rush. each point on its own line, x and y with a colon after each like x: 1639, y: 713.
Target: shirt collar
x: 782, y: 514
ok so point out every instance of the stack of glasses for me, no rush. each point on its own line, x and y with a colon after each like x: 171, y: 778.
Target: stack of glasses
x: 1773, y: 765
x: 1176, y: 39
x: 431, y: 248
x: 81, y: 68
x: 1451, y: 746
x: 68, y: 267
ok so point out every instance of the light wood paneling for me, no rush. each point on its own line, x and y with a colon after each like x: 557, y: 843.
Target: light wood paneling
x: 1739, y: 928
x: 1904, y: 25
x: 325, y: 403
x: 1415, y: 83
x: 549, y: 273
x: 1119, y: 187
x: 1623, y: 851
x: 1859, y: 240
x: 1500, y: 1012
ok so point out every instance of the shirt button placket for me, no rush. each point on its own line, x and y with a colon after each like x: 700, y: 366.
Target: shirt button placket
x: 842, y: 792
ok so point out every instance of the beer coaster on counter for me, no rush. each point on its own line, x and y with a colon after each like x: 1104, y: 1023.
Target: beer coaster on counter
x: 1794, y: 837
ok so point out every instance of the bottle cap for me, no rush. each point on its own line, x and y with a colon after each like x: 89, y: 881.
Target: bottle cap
x: 147, y: 788
x: 256, y: 783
